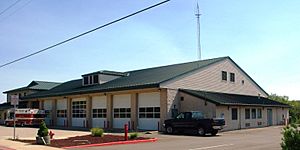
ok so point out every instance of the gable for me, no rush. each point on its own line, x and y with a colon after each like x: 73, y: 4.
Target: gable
x: 210, y: 79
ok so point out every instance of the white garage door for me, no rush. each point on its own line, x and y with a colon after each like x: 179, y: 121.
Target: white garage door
x: 79, y: 112
x: 99, y: 111
x: 48, y: 111
x: 61, y: 112
x: 149, y: 111
x: 121, y: 110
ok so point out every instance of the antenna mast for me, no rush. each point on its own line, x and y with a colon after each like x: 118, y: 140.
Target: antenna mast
x: 197, y: 14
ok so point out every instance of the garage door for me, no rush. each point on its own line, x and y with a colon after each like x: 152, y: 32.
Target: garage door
x: 79, y: 112
x: 149, y: 111
x: 61, y: 112
x: 121, y: 110
x: 99, y: 111
x: 48, y: 111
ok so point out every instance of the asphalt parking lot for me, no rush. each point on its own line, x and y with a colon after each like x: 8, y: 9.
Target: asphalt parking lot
x: 251, y: 139
x: 247, y: 139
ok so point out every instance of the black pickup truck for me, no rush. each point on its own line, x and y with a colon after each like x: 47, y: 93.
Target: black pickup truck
x: 194, y: 121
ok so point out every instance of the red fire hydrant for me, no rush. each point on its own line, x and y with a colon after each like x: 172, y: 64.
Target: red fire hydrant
x: 51, y: 134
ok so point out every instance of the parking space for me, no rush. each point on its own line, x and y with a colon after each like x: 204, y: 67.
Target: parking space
x: 250, y: 139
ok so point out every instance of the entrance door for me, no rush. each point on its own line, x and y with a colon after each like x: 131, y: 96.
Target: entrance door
x: 270, y: 117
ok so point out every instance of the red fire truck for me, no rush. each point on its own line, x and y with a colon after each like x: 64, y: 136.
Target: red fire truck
x: 25, y: 117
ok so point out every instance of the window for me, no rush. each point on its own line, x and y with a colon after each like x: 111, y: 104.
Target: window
x: 259, y: 114
x: 61, y: 113
x: 122, y: 112
x: 149, y: 112
x: 224, y: 75
x: 180, y: 116
x: 253, y: 113
x: 234, y: 114
x: 79, y: 109
x: 99, y: 113
x: 85, y: 80
x: 96, y: 79
x: 247, y: 113
x: 197, y: 115
x: 232, y: 77
x: 91, y: 79
x: 25, y: 94
x: 20, y: 95
x: 48, y: 113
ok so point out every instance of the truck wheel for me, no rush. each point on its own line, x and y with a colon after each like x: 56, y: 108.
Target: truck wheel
x: 169, y: 130
x: 22, y: 124
x: 7, y: 124
x: 201, y: 131
x: 214, y: 132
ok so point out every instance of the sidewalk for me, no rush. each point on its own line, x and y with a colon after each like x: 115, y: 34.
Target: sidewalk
x: 23, y: 146
x: 29, y: 134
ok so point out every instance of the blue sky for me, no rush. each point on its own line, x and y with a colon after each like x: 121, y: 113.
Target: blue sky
x: 261, y: 36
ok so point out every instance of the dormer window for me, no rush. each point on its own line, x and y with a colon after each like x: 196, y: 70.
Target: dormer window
x: 101, y: 77
x: 96, y: 79
x: 85, y: 80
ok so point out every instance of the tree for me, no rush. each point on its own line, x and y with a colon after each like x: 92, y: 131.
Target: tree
x: 291, y: 138
x: 295, y: 106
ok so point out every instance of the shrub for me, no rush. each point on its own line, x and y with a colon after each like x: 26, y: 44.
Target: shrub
x: 291, y: 138
x: 97, y: 132
x: 43, y: 130
x: 133, y: 135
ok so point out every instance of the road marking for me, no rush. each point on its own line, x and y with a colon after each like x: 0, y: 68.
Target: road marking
x: 209, y: 147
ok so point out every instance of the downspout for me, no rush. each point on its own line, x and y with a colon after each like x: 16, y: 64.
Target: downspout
x: 240, y: 117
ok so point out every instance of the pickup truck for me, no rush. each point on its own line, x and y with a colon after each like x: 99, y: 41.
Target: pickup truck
x: 194, y: 121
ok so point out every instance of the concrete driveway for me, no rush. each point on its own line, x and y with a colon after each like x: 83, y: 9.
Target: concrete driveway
x: 250, y: 139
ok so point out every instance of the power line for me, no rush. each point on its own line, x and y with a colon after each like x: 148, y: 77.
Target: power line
x: 18, y: 9
x: 82, y: 34
x: 2, y: 12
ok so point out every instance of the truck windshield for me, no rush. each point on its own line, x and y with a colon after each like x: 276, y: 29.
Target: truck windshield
x: 197, y: 115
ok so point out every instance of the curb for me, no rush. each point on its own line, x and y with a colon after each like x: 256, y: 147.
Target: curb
x: 112, y: 143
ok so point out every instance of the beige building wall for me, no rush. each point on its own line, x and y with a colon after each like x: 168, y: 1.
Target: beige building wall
x: 210, y: 79
x: 2, y: 116
x: 173, y: 98
x: 22, y: 93
x: 191, y: 103
x: 243, y: 123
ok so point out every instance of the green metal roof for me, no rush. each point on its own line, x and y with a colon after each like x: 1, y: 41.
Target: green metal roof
x: 36, y: 85
x: 5, y: 106
x: 107, y: 72
x: 233, y: 99
x: 137, y: 79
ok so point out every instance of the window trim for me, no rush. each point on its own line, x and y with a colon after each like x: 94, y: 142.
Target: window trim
x: 253, y: 113
x: 99, y: 113
x: 61, y: 113
x: 247, y: 116
x: 259, y: 113
x: 79, y: 109
x: 224, y: 75
x: 149, y: 112
x: 232, y: 77
x: 234, y: 116
x: 123, y: 112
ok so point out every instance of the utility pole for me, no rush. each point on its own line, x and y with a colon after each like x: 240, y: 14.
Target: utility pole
x: 197, y: 14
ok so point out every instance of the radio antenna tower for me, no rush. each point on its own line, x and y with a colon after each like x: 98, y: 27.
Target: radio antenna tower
x: 197, y: 14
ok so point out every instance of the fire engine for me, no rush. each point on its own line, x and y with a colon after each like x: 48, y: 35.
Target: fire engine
x: 25, y: 117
